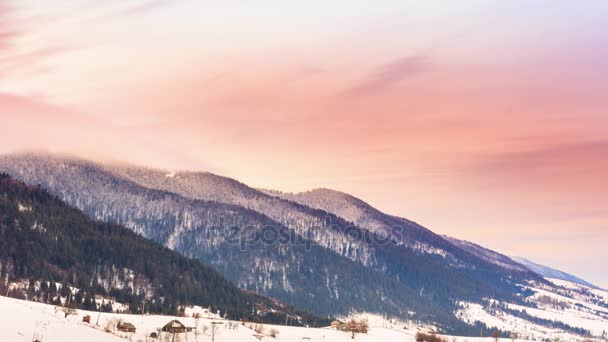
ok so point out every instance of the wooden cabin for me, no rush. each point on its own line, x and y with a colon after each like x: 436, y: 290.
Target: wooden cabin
x: 126, y: 327
x: 175, y: 327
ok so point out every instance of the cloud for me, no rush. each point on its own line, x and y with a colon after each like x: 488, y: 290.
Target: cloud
x: 389, y: 75
x: 13, y: 57
x: 8, y: 31
x: 34, y: 109
x: 28, y: 60
x: 559, y: 182
x: 142, y: 7
x: 559, y: 157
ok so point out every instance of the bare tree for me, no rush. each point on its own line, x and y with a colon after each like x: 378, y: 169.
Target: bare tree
x: 197, y: 319
x: 496, y: 335
x: 355, y: 326
x: 215, y: 328
x: 197, y: 333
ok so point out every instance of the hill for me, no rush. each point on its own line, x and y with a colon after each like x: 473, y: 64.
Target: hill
x: 317, y: 260
x: 53, y: 253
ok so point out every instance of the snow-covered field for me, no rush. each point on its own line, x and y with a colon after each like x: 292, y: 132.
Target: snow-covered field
x: 23, y: 320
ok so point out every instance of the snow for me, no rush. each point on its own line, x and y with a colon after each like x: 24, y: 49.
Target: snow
x: 579, y: 308
x: 22, y: 320
x: 472, y: 313
x: 23, y: 208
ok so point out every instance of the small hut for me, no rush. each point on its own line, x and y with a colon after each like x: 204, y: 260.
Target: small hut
x: 174, y: 327
x: 126, y: 327
x: 86, y: 319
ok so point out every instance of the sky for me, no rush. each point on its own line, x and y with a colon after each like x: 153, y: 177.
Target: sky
x: 483, y: 120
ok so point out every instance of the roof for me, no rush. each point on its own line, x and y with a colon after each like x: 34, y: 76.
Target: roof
x: 174, y: 324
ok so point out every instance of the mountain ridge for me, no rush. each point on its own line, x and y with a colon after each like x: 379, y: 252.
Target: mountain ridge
x: 173, y: 220
x: 178, y: 210
x: 550, y: 272
x: 341, y: 203
x: 44, y: 241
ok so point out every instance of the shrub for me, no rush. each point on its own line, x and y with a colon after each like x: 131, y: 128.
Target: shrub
x: 432, y: 337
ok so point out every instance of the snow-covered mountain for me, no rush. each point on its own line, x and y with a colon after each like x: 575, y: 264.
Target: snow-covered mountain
x: 364, y: 215
x: 297, y: 214
x: 567, y: 302
x: 549, y: 272
x: 488, y: 254
x: 53, y: 253
x: 516, y: 262
x: 342, y: 254
x: 295, y: 270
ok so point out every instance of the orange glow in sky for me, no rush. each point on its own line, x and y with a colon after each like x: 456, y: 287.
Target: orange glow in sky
x: 483, y: 120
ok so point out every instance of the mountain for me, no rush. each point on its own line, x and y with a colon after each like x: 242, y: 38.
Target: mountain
x: 488, y: 254
x: 364, y: 215
x: 293, y: 269
x: 47, y: 247
x: 317, y: 260
x: 515, y: 262
x: 549, y: 272
x: 410, y: 233
x: 293, y: 210
x: 552, y: 306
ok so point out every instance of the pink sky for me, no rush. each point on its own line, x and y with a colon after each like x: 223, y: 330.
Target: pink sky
x: 482, y: 120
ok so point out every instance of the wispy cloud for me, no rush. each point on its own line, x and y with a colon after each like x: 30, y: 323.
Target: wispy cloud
x: 28, y: 60
x: 7, y: 30
x: 389, y: 75
x: 15, y: 25
x: 560, y: 157
x: 142, y: 7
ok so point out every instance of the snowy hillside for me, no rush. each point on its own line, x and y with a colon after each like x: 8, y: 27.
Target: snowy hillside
x: 363, y: 215
x: 327, y: 265
x: 341, y: 255
x: 22, y: 320
x: 551, y: 272
x: 487, y: 254
x: 553, y: 313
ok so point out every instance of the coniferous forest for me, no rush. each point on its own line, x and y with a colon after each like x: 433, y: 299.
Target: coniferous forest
x: 58, y: 255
